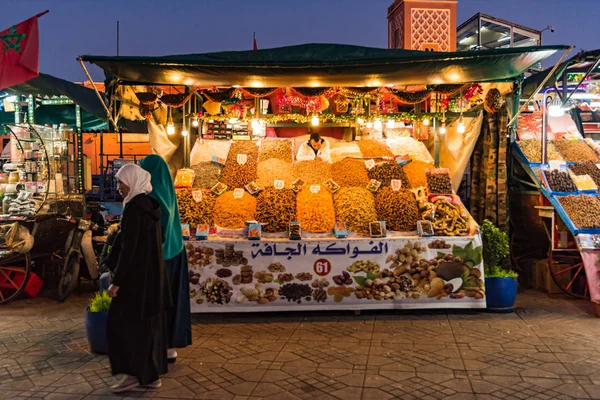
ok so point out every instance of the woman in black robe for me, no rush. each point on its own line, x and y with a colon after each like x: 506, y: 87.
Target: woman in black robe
x: 137, y: 328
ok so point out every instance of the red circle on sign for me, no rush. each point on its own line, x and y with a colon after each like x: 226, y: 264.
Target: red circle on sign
x: 322, y: 267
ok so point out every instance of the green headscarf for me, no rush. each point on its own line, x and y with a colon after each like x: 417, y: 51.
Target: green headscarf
x: 163, y: 190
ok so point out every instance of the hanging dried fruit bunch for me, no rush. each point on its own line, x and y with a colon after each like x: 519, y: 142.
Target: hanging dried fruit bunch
x: 398, y: 209
x: 350, y: 172
x: 232, y: 213
x: 315, y: 210
x: 356, y: 207
x: 276, y: 208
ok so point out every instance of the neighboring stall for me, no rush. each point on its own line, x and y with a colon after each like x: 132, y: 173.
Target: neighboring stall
x: 380, y: 226
x: 563, y: 190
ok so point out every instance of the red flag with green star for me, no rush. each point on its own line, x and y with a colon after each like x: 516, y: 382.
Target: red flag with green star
x: 19, y: 53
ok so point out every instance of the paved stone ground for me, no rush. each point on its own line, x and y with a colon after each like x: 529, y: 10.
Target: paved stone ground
x: 548, y: 349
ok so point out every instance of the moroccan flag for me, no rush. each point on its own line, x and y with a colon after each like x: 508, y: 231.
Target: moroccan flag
x: 255, y: 45
x: 19, y: 52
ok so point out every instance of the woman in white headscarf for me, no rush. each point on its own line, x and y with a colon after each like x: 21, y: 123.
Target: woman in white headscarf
x: 137, y: 335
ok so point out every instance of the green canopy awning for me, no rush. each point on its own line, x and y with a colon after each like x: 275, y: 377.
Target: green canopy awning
x: 324, y: 65
x: 49, y: 86
x: 576, y: 64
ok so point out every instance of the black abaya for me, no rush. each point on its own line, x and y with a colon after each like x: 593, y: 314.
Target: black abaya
x: 137, y: 330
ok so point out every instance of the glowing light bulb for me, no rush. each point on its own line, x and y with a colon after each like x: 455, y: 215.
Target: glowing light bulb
x: 315, y: 120
x: 369, y: 125
x: 170, y: 128
x: 233, y: 120
x: 443, y: 129
x: 460, y: 128
x: 378, y: 124
x: 184, y: 132
x: 391, y: 124
x: 360, y: 120
x: 555, y: 109
x: 426, y: 122
x: 195, y: 122
x: 255, y: 124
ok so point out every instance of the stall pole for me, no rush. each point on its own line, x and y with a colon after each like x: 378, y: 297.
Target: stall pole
x: 108, y: 113
x: 79, y: 135
x: 436, y: 136
x: 102, y: 174
x: 544, y: 131
x: 30, y: 109
x: 540, y: 86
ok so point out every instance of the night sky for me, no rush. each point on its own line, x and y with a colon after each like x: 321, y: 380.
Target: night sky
x: 161, y: 27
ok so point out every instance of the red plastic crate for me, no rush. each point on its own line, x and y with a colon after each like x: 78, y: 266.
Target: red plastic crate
x: 33, y: 287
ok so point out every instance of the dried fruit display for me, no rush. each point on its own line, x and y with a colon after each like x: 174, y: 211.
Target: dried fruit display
x: 574, y: 151
x: 192, y: 212
x: 264, y: 276
x: 532, y: 148
x: 374, y: 149
x: 205, y: 150
x: 356, y: 207
x: 270, y: 170
x: 583, y: 210
x: 350, y: 172
x: 199, y: 256
x: 258, y: 294
x: 278, y: 149
x: 276, y: 208
x: 415, y: 171
x: 560, y: 181
x: 412, y: 147
x: 315, y: 211
x: 243, y: 147
x: 312, y: 172
x: 387, y: 171
x: 224, y: 273
x: 398, y: 209
x: 216, y: 291
x: 364, y: 266
x: 232, y: 213
x: 341, y: 150
x: 388, y: 288
x: 587, y: 168
x: 320, y: 283
x: 295, y: 292
x: 276, y: 267
x: 595, y: 146
x: 404, y: 256
x: 340, y: 292
x: 438, y: 183
x: 319, y: 295
x: 236, y: 175
x: 207, y: 175
x: 304, y: 276
x: 439, y: 244
x: 344, y: 279
x: 230, y: 257
x: 450, y: 219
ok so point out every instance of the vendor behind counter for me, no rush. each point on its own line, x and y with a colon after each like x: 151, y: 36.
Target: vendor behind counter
x: 316, y: 148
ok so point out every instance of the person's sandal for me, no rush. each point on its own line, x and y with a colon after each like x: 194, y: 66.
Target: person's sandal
x: 125, y: 384
x: 154, y: 385
x: 171, y: 356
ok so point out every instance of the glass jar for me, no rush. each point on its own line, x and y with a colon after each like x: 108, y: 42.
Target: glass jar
x: 14, y: 177
x: 3, y: 178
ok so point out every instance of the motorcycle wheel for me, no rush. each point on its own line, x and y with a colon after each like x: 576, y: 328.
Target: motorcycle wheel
x: 68, y: 276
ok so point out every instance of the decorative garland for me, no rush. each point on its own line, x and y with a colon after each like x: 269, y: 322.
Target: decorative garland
x: 176, y: 100
x: 358, y: 91
x: 259, y: 92
x: 311, y: 91
x: 325, y: 118
x: 219, y: 96
x: 410, y: 97
x: 447, y: 90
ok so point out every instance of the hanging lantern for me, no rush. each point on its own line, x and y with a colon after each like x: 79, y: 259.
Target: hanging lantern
x: 315, y: 120
x: 443, y: 128
x: 426, y: 122
x: 170, y: 124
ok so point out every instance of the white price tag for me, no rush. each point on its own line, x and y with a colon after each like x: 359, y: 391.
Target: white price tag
x: 370, y: 164
x: 238, y: 193
x: 278, y: 184
x: 396, y: 184
x: 242, y: 158
x: 555, y: 164
x: 598, y: 166
x: 197, y: 195
x: 315, y: 188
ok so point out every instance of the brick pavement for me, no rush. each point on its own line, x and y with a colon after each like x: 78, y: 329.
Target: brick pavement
x: 548, y: 349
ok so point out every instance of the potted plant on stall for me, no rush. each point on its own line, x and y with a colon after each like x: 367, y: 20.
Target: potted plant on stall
x: 96, y: 315
x: 500, y: 280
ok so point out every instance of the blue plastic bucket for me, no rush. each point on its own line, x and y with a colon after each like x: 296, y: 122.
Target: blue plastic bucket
x: 501, y: 293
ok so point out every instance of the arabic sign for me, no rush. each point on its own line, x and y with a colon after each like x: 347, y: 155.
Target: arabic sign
x: 352, y: 274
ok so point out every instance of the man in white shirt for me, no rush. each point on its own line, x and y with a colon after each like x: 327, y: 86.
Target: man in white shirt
x: 316, y: 148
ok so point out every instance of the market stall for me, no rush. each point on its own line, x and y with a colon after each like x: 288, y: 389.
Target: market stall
x: 563, y: 189
x: 376, y: 226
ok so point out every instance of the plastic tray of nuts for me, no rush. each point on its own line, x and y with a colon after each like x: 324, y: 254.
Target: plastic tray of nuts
x: 564, y: 175
x: 555, y: 201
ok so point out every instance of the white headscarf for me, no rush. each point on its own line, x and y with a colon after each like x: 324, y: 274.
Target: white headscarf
x: 136, y: 178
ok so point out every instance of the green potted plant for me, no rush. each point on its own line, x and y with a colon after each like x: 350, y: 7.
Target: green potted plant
x: 96, y: 315
x: 500, y: 280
